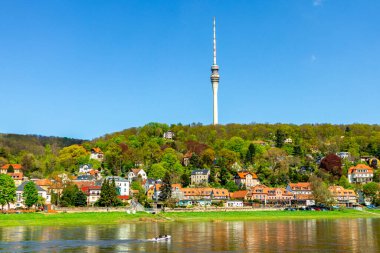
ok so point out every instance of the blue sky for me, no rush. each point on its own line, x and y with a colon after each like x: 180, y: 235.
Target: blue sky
x: 86, y: 68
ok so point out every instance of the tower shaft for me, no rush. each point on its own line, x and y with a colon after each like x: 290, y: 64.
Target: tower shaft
x: 215, y: 80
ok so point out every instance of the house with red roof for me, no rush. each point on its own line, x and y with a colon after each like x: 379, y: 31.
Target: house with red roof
x: 360, y: 174
x: 97, y: 154
x: 247, y: 179
x: 7, y: 168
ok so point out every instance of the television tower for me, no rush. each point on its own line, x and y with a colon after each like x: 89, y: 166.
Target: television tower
x: 215, y: 80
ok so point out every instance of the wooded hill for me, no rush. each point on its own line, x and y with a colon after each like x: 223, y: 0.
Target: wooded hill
x: 278, y: 153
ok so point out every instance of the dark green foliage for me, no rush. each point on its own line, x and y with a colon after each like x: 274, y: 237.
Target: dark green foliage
x: 231, y: 186
x: 30, y: 194
x: 72, y: 196
x: 108, y: 194
x: 250, y: 153
x: 280, y: 138
x: 185, y: 180
x: 371, y: 190
x: 166, y: 188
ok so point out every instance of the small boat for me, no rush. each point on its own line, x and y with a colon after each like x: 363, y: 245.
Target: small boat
x: 161, y: 238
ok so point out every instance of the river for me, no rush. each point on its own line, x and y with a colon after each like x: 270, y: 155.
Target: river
x: 340, y: 235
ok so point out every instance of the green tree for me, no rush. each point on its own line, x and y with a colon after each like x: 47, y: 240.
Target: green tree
x: 7, y: 190
x: 343, y: 181
x: 280, y: 138
x: 371, y: 190
x: 72, y: 156
x: 157, y: 171
x: 250, y: 153
x: 166, y: 188
x: 141, y: 196
x: 108, y: 194
x: 30, y: 194
x: 231, y: 186
x: 320, y: 191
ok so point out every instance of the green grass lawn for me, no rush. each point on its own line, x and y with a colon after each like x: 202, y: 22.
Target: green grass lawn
x: 266, y: 215
x: 74, y: 219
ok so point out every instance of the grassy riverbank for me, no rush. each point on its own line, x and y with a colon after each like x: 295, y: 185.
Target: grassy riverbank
x: 74, y: 219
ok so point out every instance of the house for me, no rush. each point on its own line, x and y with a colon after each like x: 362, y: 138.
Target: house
x: 92, y: 193
x: 344, y: 155
x: 97, y: 154
x: 122, y: 185
x: 240, y: 195
x: 360, y: 173
x: 233, y: 203
x: 14, y: 171
x: 205, y: 193
x: 169, y: 135
x: 137, y: 173
x: 85, y: 169
x: 20, y: 190
x: 246, y: 179
x: 217, y: 193
x: 149, y: 183
x: 267, y: 194
x: 177, y: 192
x: 85, y: 178
x: 345, y: 197
x: 199, y: 176
x: 185, y: 203
x: 45, y: 184
x: 288, y: 141
x: 186, y: 158
x: 302, y: 193
x: 17, y: 177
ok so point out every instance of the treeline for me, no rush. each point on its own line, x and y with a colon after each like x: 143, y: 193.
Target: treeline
x: 277, y: 153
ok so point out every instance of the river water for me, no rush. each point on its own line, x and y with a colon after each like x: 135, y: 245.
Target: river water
x: 341, y: 235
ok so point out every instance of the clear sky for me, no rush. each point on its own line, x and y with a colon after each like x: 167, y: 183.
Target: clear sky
x: 86, y: 68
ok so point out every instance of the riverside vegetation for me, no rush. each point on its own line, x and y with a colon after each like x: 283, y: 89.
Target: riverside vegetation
x: 76, y: 219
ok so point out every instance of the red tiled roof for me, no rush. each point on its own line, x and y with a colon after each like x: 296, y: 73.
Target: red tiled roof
x: 300, y: 186
x: 43, y: 182
x: 123, y: 197
x: 15, y: 166
x: 238, y: 194
x: 17, y: 176
x: 243, y: 175
x: 97, y: 150
x: 360, y: 167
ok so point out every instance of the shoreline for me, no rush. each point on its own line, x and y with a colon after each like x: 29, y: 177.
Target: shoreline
x: 114, y: 218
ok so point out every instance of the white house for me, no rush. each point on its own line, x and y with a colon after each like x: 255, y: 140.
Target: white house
x: 247, y: 179
x: 97, y: 154
x: 360, y: 173
x: 20, y: 191
x: 234, y: 203
x: 136, y: 173
x: 169, y: 135
x: 85, y: 169
x: 122, y: 185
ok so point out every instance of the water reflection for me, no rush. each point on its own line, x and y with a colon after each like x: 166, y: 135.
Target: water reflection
x: 343, y: 235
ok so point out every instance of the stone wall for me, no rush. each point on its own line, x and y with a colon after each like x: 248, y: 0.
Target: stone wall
x: 219, y: 209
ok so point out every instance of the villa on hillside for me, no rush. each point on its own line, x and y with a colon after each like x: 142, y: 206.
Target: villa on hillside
x: 246, y: 179
x: 15, y: 171
x: 360, y: 173
x: 199, y: 176
x: 267, y: 195
x: 137, y: 173
x: 97, y: 154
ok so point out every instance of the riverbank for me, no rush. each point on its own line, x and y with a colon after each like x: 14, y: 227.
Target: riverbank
x: 75, y: 219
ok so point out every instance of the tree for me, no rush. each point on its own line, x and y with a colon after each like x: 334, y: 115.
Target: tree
x: 72, y: 196
x: 108, y: 194
x: 231, y: 186
x: 250, y: 153
x: 72, y: 156
x: 320, y: 191
x: 185, y: 180
x: 166, y: 188
x: 332, y: 164
x: 208, y: 157
x: 280, y: 138
x: 156, y: 171
x: 141, y: 197
x: 343, y: 181
x: 371, y: 190
x: 7, y: 190
x: 30, y: 194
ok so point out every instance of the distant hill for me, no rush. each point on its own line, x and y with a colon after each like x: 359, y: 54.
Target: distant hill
x: 35, y: 144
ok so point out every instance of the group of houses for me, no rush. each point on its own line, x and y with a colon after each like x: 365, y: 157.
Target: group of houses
x: 90, y: 180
